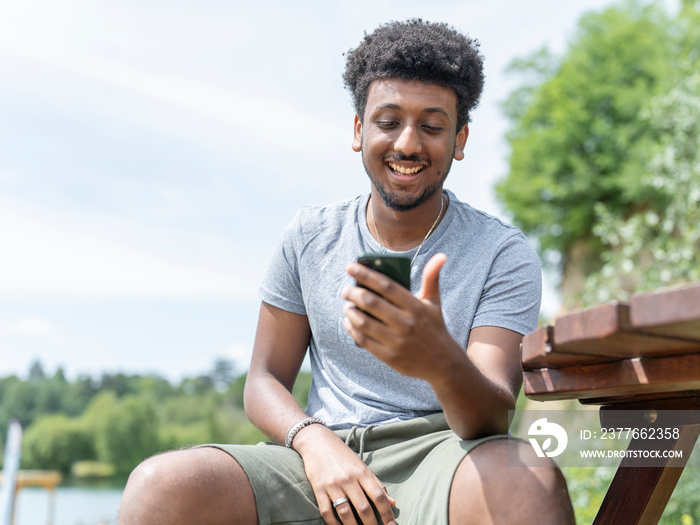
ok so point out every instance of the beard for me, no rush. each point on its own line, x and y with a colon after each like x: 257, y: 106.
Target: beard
x: 398, y: 202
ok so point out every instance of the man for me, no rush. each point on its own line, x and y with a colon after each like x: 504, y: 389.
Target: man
x: 410, y: 388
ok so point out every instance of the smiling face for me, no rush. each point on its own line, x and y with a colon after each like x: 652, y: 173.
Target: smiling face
x: 408, y: 138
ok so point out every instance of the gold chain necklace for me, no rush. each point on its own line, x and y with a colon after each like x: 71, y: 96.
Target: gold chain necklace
x: 371, y: 216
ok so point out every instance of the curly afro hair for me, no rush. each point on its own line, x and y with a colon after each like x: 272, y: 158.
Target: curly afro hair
x: 417, y: 50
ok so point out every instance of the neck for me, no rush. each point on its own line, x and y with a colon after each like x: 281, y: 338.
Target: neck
x: 404, y: 230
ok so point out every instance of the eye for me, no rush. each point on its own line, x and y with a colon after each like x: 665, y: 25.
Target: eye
x: 387, y: 124
x: 432, y: 129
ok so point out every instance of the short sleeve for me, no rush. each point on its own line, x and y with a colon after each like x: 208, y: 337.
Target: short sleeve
x: 281, y: 286
x: 513, y: 289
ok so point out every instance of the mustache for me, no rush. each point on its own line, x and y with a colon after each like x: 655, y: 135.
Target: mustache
x: 399, y: 157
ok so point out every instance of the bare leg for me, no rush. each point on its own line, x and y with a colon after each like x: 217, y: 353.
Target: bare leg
x: 202, y: 485
x: 487, y: 490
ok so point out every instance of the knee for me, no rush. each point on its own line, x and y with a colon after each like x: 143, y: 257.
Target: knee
x: 202, y: 485
x: 149, y: 474
x: 504, y: 480
x: 151, y: 485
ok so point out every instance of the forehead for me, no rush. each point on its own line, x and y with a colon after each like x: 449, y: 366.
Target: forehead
x: 410, y: 95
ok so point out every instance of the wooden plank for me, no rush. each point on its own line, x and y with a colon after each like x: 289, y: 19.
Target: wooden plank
x: 673, y: 313
x: 538, y: 351
x: 629, y: 344
x: 606, y: 331
x: 535, y: 346
x: 597, y: 322
x: 636, y: 376
x: 638, y: 495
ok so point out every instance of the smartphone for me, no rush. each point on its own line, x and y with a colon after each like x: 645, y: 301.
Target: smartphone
x: 398, y: 267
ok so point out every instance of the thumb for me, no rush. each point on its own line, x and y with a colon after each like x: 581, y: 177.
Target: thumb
x: 430, y: 285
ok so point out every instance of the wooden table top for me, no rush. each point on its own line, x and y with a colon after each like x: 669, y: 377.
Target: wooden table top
x: 616, y: 351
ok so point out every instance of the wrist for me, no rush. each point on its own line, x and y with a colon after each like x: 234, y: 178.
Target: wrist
x: 448, y: 366
x: 310, y: 438
x: 298, y: 427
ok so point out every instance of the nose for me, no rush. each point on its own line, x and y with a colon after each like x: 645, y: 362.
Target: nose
x: 408, y: 142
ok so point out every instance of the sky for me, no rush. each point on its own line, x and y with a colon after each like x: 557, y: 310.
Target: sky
x: 152, y: 151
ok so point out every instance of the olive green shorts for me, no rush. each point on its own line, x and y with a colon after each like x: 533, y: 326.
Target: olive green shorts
x: 416, y: 460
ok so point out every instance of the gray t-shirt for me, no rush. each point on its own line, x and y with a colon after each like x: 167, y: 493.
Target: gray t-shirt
x: 492, y: 277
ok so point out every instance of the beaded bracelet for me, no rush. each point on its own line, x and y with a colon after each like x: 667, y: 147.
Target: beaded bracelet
x: 296, y: 427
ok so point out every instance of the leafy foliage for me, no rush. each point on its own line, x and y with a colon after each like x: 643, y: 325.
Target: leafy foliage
x: 657, y: 245
x: 56, y: 440
x: 113, y: 423
x: 577, y: 137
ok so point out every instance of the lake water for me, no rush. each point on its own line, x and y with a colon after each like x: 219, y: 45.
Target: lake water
x: 73, y: 506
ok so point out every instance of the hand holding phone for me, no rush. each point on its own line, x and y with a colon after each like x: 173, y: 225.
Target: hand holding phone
x: 396, y: 267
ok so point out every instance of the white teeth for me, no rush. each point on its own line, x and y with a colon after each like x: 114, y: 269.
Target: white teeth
x: 405, y: 171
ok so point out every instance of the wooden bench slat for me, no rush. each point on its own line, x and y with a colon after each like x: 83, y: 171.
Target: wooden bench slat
x: 624, y: 345
x: 607, y: 330
x: 540, y: 348
x: 665, y: 307
x: 538, y: 351
x: 596, y: 323
x: 673, y: 313
x: 636, y: 376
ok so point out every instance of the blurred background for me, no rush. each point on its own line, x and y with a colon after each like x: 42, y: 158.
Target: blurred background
x: 151, y: 153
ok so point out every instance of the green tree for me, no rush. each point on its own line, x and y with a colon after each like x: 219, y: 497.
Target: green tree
x: 19, y: 401
x: 659, y: 244
x: 77, y: 395
x: 120, y: 420
x: 56, y: 442
x: 235, y: 390
x: 125, y: 431
x: 36, y: 371
x: 223, y: 374
x: 577, y: 137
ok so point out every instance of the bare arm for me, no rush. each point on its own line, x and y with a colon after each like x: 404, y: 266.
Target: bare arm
x: 281, y: 341
x: 476, y: 387
x: 333, y: 469
x: 480, y: 386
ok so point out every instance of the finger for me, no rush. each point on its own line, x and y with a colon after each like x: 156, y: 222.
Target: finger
x: 379, y: 496
x: 378, y: 313
x: 430, y: 285
x: 379, y: 283
x: 344, y: 512
x: 325, y: 507
x: 360, y: 504
x: 391, y: 500
x: 361, y: 338
x: 367, y: 301
x: 361, y: 321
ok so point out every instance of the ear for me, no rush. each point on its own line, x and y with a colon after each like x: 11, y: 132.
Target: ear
x: 357, y: 135
x: 460, y: 142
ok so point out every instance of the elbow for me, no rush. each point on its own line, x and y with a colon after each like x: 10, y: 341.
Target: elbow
x: 488, y: 421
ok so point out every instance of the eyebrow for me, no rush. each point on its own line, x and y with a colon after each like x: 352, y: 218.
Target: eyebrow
x: 426, y: 110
